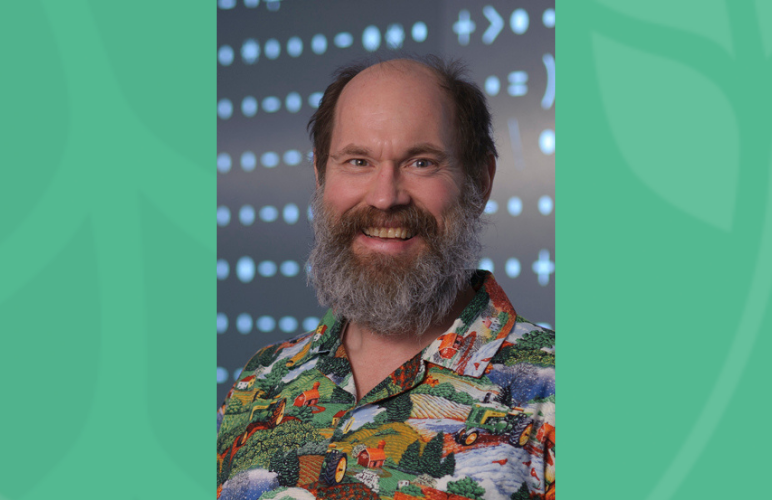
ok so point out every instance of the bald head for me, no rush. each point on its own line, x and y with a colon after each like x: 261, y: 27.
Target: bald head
x: 431, y: 86
x: 391, y: 105
x: 410, y: 73
x: 400, y: 79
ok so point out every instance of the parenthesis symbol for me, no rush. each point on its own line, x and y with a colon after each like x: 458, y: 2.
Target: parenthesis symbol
x: 549, y: 94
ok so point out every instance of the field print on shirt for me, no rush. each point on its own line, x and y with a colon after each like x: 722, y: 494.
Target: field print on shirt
x: 478, y: 423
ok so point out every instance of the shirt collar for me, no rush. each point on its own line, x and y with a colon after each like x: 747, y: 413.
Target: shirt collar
x: 327, y: 335
x: 470, y: 343
x: 476, y: 336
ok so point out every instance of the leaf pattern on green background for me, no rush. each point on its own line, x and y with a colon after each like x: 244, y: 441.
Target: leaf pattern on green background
x: 33, y: 79
x: 764, y: 18
x: 736, y: 83
x: 169, y: 326
x: 76, y: 284
x: 138, y: 78
x: 132, y: 464
x: 676, y: 153
x: 50, y: 369
x: 708, y: 18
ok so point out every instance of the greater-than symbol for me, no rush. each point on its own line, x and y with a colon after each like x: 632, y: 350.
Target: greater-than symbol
x: 497, y: 24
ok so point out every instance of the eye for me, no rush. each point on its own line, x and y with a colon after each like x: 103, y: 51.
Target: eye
x: 358, y: 162
x: 422, y: 163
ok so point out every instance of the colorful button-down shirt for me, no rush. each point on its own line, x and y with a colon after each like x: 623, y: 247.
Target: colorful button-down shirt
x: 471, y: 416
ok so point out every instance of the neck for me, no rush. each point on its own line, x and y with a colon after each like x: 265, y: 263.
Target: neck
x: 374, y: 356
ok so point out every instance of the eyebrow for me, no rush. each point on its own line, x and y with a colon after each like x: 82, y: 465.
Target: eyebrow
x: 423, y: 148
x: 430, y: 149
x: 351, y: 150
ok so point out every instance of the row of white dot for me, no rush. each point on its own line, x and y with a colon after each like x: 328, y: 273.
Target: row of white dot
x: 291, y: 213
x: 371, y: 40
x: 271, y: 104
x: 245, y: 268
x: 222, y: 374
x: 293, y: 102
x: 268, y: 213
x: 265, y: 324
x: 543, y: 267
x: 545, y: 205
x: 269, y: 159
x: 518, y: 20
x: 272, y: 5
x: 293, y: 157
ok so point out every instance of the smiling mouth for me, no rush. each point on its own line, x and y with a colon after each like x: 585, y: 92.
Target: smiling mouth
x: 399, y: 233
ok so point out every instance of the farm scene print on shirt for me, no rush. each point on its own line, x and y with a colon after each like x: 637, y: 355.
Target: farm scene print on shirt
x: 472, y: 416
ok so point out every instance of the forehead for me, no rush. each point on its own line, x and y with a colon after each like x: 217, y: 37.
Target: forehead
x: 393, y: 97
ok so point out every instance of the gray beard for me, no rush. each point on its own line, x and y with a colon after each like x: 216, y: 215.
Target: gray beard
x: 391, y: 295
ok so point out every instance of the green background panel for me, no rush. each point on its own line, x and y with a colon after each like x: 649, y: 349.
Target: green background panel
x: 107, y: 249
x: 662, y: 295
x: 664, y: 245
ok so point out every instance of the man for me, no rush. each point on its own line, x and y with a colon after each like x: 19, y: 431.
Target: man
x: 421, y: 381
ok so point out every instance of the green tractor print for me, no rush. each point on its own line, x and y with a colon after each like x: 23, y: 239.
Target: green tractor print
x: 334, y: 466
x: 497, y: 419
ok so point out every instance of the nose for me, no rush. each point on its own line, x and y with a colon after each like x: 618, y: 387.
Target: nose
x: 386, y: 188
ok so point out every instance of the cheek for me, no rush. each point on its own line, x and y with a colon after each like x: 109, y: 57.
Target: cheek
x: 440, y: 198
x: 339, y: 198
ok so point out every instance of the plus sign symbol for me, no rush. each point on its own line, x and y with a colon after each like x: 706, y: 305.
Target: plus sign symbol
x: 463, y: 27
x: 543, y: 267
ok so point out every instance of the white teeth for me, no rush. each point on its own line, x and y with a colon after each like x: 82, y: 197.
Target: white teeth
x: 391, y: 232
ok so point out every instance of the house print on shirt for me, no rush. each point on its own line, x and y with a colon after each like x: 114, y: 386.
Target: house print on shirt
x: 373, y: 457
x: 470, y: 417
x: 337, y: 416
x: 308, y: 398
x: 246, y: 383
x: 450, y: 343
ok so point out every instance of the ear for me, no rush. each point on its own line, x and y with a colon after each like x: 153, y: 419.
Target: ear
x: 486, y: 181
x: 316, y: 170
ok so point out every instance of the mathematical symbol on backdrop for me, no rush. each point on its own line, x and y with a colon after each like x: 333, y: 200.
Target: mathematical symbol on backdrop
x: 518, y: 22
x: 464, y: 27
x: 517, y: 80
x: 543, y: 267
x: 549, y: 93
x: 497, y: 24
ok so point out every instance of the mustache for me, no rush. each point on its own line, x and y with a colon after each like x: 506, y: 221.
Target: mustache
x: 414, y: 219
x: 394, y: 295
